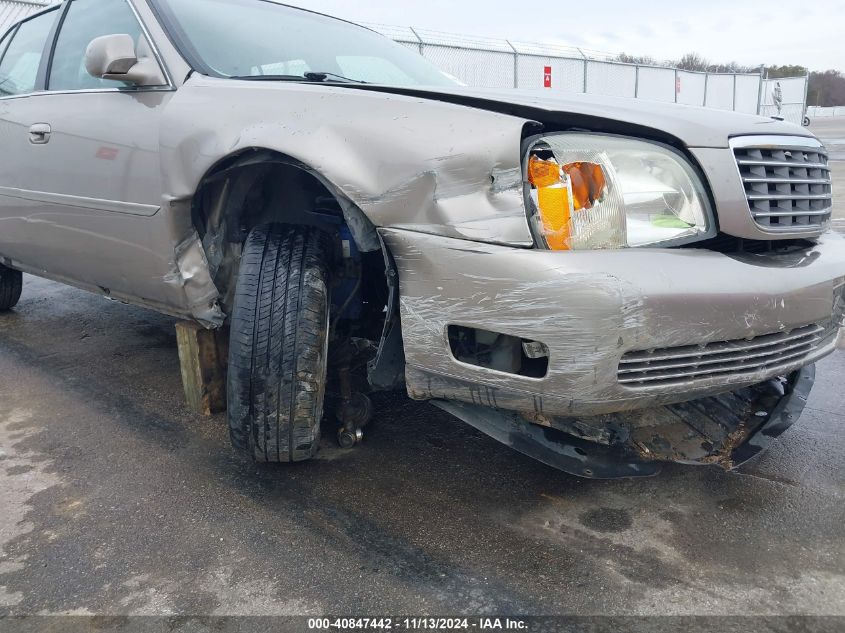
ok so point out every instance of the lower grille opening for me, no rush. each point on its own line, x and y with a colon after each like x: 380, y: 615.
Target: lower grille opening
x: 499, y: 352
x: 731, y: 245
x: 660, y: 367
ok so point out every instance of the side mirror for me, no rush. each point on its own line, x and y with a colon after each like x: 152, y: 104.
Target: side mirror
x: 115, y: 57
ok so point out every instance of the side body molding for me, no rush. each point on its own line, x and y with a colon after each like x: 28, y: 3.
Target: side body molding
x: 114, y: 206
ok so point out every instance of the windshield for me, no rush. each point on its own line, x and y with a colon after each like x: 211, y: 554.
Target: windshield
x: 255, y: 38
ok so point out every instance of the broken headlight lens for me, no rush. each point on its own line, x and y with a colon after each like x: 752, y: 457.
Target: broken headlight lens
x: 591, y: 191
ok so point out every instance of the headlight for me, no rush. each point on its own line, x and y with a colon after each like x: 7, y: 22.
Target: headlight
x: 592, y: 191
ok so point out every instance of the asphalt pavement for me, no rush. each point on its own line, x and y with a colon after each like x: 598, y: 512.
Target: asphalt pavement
x: 114, y: 499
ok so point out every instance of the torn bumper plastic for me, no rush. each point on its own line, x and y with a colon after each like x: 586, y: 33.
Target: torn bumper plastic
x: 685, y: 323
x: 726, y: 431
x: 193, y: 275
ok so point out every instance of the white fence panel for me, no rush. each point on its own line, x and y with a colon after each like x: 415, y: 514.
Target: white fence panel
x: 816, y: 112
x: 567, y: 74
x: 657, y: 84
x: 415, y: 46
x: 747, y: 93
x: 692, y: 87
x: 793, y: 91
x: 617, y: 80
x: 792, y: 112
x: 478, y: 68
x: 720, y: 92
x: 12, y: 11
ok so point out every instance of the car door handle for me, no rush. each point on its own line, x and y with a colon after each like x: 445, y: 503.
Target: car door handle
x: 39, y: 134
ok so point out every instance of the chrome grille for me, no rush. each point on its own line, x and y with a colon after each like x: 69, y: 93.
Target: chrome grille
x: 725, y: 358
x: 788, y: 186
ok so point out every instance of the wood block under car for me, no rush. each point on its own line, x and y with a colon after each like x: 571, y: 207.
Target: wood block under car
x: 203, y: 356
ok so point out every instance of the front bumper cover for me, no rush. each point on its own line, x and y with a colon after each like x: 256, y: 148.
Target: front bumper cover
x: 725, y: 431
x: 592, y: 308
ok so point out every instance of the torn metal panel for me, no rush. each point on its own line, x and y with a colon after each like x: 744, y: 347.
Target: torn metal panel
x: 785, y: 413
x: 193, y: 275
x: 726, y: 430
x: 592, y: 308
x: 363, y: 231
x: 552, y: 447
x: 386, y: 371
x: 404, y: 162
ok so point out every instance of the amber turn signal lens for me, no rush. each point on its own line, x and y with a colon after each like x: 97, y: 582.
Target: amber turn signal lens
x: 543, y: 173
x: 588, y: 183
x: 555, y: 216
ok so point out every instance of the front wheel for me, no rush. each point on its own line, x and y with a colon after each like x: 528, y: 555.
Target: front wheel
x: 11, y: 284
x: 279, y: 343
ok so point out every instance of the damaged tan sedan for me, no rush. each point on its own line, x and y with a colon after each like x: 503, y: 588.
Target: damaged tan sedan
x: 602, y: 284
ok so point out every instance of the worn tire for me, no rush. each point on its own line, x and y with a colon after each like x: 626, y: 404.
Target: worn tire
x: 11, y: 284
x: 279, y: 343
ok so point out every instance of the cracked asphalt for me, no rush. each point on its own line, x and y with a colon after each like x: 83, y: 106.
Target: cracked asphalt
x: 114, y: 499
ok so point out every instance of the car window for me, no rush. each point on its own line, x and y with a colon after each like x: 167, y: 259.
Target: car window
x: 85, y: 21
x: 251, y: 38
x: 287, y: 67
x: 7, y: 37
x: 19, y: 68
x: 376, y: 69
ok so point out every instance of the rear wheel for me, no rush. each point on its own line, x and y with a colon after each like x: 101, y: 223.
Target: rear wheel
x: 11, y: 283
x: 279, y: 343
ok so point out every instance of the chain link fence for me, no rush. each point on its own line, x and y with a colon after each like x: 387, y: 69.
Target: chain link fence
x: 792, y: 91
x: 495, y: 63
x: 492, y: 63
x: 13, y: 10
x: 825, y: 111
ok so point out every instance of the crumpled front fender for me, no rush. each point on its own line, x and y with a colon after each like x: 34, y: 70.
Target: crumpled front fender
x: 406, y: 162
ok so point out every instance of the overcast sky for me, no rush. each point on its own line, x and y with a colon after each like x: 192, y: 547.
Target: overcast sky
x: 810, y: 33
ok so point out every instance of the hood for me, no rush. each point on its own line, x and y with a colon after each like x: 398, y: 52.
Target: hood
x: 692, y: 126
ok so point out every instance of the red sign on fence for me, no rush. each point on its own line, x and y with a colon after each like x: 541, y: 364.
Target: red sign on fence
x: 547, y: 77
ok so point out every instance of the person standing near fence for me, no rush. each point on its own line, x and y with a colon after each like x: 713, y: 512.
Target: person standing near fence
x: 778, y: 97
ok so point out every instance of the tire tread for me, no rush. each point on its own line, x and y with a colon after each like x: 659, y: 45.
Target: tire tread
x: 11, y: 285
x: 278, y: 332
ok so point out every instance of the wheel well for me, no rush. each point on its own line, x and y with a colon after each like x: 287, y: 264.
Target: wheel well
x: 259, y: 187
